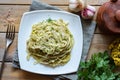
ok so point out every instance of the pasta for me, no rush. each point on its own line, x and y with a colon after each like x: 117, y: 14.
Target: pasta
x: 50, y: 43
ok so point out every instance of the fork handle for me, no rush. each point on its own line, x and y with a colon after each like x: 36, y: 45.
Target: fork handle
x: 3, y: 61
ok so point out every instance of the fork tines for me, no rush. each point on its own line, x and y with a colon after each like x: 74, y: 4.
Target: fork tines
x: 10, y: 31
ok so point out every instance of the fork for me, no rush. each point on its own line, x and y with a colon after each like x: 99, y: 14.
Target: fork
x: 10, y: 35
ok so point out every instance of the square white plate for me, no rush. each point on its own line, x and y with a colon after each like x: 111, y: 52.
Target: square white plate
x: 30, y: 18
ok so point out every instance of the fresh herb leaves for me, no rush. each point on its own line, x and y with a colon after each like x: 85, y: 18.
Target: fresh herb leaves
x: 49, y: 19
x: 99, y: 67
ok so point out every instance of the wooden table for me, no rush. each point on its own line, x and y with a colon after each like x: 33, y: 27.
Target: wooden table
x: 13, y: 10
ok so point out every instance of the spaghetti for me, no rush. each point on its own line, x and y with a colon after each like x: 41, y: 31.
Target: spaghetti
x: 50, y: 43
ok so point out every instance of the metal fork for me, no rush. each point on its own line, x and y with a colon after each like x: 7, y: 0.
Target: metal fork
x: 10, y: 35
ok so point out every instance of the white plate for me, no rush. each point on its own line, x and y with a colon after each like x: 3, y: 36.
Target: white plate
x: 30, y: 18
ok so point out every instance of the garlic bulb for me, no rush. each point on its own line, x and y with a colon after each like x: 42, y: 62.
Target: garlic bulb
x: 88, y: 12
x: 81, y: 4
x: 76, y: 5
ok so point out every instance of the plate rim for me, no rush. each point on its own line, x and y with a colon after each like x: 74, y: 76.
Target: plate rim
x: 31, y: 12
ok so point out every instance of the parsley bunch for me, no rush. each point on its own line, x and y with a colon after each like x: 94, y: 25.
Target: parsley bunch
x: 99, y: 67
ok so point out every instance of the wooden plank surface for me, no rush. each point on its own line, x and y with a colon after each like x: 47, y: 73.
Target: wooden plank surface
x: 2, y: 44
x: 100, y: 43
x: 23, y: 2
x: 11, y: 73
x: 11, y: 13
x: 53, y: 2
x: 14, y: 13
x: 12, y: 10
x: 96, y: 2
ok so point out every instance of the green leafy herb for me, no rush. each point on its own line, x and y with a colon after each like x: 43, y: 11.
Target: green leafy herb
x: 99, y: 67
x: 49, y: 19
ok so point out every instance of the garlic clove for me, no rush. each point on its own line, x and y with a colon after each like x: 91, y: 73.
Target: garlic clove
x: 88, y: 12
x: 81, y: 4
x: 91, y: 8
x: 73, y: 5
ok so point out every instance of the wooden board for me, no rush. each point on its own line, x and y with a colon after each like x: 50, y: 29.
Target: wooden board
x: 96, y: 2
x: 15, y: 12
x: 13, y: 9
x: 53, y: 2
x: 100, y: 43
x: 11, y: 73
